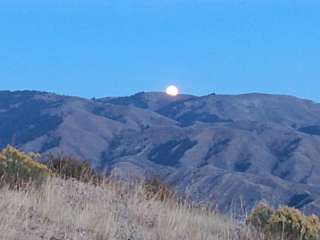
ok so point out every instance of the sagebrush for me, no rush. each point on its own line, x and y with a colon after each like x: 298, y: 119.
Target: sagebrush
x: 284, y: 223
x: 18, y: 168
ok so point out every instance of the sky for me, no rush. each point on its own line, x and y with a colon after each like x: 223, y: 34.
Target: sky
x: 96, y: 48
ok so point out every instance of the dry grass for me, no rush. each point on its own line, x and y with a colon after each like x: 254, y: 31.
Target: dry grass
x: 68, y: 209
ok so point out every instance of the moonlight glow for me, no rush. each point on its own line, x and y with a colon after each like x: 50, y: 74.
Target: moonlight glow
x: 172, y: 90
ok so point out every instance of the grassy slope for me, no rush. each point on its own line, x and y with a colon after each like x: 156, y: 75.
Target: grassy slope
x: 73, y: 210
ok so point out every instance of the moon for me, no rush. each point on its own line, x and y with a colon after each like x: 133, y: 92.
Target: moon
x: 172, y: 91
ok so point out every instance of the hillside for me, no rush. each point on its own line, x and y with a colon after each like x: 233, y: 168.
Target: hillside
x: 63, y: 198
x: 78, y: 211
x: 226, y: 150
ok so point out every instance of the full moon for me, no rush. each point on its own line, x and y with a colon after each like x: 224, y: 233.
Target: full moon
x: 172, y: 90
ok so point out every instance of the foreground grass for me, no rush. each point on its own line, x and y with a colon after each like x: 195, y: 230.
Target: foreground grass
x: 63, y: 198
x: 69, y: 209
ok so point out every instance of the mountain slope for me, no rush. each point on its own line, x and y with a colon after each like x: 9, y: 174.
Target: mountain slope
x: 225, y: 150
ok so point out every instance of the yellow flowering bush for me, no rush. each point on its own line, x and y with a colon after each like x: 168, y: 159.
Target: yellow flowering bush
x: 284, y: 223
x: 312, y: 228
x: 18, y: 168
x: 259, y: 217
x: 288, y: 222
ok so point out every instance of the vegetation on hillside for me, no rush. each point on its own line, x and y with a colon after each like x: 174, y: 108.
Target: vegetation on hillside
x: 284, y: 223
x: 71, y: 201
x: 70, y: 209
x: 66, y: 167
x: 18, y: 168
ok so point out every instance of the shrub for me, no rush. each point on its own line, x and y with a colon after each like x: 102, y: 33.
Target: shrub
x: 287, y: 222
x: 260, y: 216
x: 292, y: 224
x: 312, y: 228
x: 18, y: 168
x: 284, y: 223
x: 69, y: 167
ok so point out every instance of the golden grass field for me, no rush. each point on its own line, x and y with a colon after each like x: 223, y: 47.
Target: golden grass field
x: 69, y: 209
x: 65, y: 200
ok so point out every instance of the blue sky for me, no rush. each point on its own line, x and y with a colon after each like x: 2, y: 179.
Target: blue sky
x: 96, y: 48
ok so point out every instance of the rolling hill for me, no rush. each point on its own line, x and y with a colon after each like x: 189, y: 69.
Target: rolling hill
x: 230, y: 151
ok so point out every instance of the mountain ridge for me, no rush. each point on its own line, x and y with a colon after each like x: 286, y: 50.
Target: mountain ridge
x: 215, y: 148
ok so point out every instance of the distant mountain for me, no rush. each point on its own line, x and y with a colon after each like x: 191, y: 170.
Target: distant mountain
x: 150, y: 100
x: 230, y: 151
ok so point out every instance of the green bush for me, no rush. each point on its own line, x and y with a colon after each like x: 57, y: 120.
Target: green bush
x: 284, y: 223
x: 69, y: 167
x: 18, y: 168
